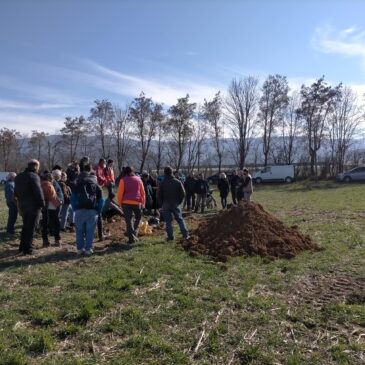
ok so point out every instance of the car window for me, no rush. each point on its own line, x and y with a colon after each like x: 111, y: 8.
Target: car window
x: 266, y: 169
x: 358, y: 170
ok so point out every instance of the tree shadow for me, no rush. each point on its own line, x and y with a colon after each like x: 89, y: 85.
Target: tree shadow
x: 11, y: 258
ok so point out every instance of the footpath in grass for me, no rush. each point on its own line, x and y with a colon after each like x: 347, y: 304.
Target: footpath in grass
x: 154, y: 304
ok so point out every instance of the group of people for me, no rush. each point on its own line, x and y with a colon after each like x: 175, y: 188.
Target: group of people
x: 197, y: 189
x: 76, y: 195
x: 73, y: 199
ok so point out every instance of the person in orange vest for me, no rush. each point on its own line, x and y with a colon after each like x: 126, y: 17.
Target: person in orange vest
x: 132, y: 198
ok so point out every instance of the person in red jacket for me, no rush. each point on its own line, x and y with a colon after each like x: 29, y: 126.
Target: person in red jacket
x: 100, y: 173
x: 131, y: 196
x: 109, y: 174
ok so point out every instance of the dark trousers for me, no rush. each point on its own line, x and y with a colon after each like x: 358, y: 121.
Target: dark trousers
x: 132, y: 227
x: 54, y: 223
x: 30, y: 219
x: 224, y: 201
x: 45, y: 224
x: 233, y: 192
x: 12, y: 217
x: 190, y: 200
x: 100, y: 227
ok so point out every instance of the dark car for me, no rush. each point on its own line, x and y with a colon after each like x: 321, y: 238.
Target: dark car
x: 213, y: 179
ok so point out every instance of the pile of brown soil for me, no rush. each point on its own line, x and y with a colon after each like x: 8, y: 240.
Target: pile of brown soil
x: 247, y: 229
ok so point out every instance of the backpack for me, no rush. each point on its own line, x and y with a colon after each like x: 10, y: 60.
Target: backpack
x: 87, y: 196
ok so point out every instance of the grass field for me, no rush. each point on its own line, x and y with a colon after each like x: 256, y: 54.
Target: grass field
x: 154, y: 304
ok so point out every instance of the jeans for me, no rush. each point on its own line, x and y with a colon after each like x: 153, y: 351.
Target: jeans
x: 30, y: 219
x: 132, y: 227
x: 65, y: 212
x: 168, y: 214
x: 85, y: 223
x: 12, y: 217
x: 200, y: 200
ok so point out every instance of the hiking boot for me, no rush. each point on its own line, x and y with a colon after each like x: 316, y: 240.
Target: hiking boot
x: 80, y: 252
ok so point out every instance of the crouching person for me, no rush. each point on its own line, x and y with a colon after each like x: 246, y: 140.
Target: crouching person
x: 87, y: 203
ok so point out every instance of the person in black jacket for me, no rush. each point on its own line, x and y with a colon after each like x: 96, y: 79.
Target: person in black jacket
x: 234, y: 183
x: 171, y: 194
x: 223, y: 187
x: 202, y: 190
x: 29, y: 195
x: 190, y: 187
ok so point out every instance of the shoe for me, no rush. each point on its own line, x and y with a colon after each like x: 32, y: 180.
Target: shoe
x: 102, y: 238
x: 58, y: 243
x: 169, y: 239
x: 88, y: 252
x: 46, y: 243
x: 80, y: 252
x: 27, y: 252
x: 186, y: 237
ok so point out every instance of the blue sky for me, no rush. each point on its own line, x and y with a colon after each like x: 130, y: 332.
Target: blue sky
x: 58, y: 56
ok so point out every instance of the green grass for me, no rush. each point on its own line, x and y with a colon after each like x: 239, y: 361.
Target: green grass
x: 152, y: 304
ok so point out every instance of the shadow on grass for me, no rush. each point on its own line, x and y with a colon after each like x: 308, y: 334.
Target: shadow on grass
x: 314, y: 185
x: 12, y: 258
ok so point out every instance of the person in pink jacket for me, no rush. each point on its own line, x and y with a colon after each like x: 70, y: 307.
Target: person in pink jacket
x: 100, y: 173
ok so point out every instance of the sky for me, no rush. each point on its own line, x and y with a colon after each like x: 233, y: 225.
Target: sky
x: 58, y: 56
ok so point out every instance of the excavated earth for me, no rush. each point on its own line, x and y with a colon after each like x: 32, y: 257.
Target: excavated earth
x: 246, y: 230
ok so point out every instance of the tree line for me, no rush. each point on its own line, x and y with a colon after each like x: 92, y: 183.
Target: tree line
x: 268, y: 122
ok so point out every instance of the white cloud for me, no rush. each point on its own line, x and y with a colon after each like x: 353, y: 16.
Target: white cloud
x: 26, y: 122
x: 18, y: 105
x: 348, y: 42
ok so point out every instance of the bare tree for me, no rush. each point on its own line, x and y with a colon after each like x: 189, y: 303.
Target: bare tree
x: 180, y: 127
x: 318, y: 101
x: 273, y: 102
x: 121, y: 130
x: 240, y: 110
x: 343, y: 125
x: 101, y: 116
x: 157, y: 156
x: 52, y: 151
x: 145, y: 115
x: 37, y: 142
x: 212, y: 113
x: 290, y: 126
x: 9, y: 147
x: 72, y: 132
x: 196, y: 143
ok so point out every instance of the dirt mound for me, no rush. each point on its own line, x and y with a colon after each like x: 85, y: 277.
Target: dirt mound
x: 247, y: 229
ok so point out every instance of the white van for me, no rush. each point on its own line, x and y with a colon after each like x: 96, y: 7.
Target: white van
x: 284, y: 173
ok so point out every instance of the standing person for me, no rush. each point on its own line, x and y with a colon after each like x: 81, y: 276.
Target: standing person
x: 148, y: 189
x: 10, y: 202
x: 223, y: 187
x: 65, y: 208
x: 190, y: 188
x: 49, y: 215
x: 87, y: 203
x: 29, y: 195
x: 202, y: 190
x: 54, y: 211
x: 171, y: 194
x: 247, y: 187
x: 109, y: 175
x: 131, y: 196
x: 234, y: 183
x: 100, y: 173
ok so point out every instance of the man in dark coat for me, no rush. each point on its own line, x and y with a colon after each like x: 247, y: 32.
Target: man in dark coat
x: 29, y: 195
x: 171, y: 194
x: 202, y: 190
x: 234, y: 183
x: 190, y: 188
